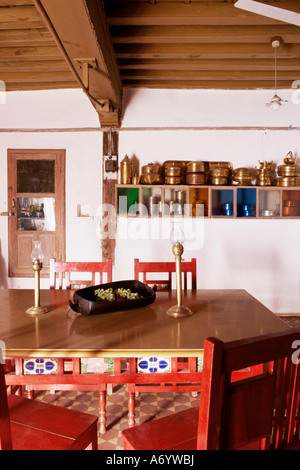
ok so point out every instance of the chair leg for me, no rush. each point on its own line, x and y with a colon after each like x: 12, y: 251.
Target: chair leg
x: 102, y: 411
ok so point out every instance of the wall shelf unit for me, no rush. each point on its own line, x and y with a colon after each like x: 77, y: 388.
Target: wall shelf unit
x: 235, y: 201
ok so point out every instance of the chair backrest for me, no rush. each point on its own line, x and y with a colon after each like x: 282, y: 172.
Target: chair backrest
x: 5, y: 431
x: 63, y: 269
x: 167, y: 268
x: 235, y: 414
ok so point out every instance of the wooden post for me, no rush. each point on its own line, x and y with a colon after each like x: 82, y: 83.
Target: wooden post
x: 110, y: 148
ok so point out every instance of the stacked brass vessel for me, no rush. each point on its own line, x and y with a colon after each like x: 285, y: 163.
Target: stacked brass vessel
x: 289, y: 173
x: 220, y: 173
x: 242, y: 176
x: 263, y: 177
x: 196, y: 173
x: 174, y: 172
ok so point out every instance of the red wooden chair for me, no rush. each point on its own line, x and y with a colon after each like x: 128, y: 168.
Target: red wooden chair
x: 64, y: 271
x: 61, y: 270
x: 33, y: 425
x: 249, y: 413
x: 168, y: 268
x: 142, y: 271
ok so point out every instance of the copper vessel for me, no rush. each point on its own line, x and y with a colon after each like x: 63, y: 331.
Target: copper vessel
x: 195, y: 178
x: 126, y: 170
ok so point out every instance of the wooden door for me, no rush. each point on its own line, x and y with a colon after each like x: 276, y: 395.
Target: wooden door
x: 36, y: 201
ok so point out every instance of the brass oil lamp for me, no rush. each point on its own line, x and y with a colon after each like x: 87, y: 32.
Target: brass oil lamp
x: 177, y: 239
x: 37, y: 258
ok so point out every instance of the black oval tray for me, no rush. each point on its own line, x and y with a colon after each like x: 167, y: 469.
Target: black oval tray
x: 86, y: 303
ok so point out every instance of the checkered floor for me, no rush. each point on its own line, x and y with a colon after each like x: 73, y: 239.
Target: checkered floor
x: 147, y: 406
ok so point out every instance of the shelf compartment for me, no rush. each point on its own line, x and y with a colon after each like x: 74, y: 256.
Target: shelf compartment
x: 246, y: 202
x: 269, y: 202
x: 151, y: 201
x: 175, y: 199
x: 199, y: 196
x: 222, y: 201
x: 128, y: 201
x: 291, y: 203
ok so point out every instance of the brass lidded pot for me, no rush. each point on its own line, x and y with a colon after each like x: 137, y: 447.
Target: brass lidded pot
x: 126, y: 170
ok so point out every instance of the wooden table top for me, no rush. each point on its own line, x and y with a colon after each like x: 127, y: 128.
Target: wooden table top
x: 227, y: 314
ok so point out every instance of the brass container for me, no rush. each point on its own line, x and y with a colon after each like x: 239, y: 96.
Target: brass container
x: 151, y: 174
x: 290, y: 211
x: 126, y: 170
x: 175, y: 180
x: 265, y: 165
x: 179, y: 163
x: 218, y: 181
x: 243, y: 181
x: 287, y: 181
x: 219, y: 173
x: 289, y: 159
x: 227, y: 165
x: 173, y: 171
x: 135, y: 179
x: 196, y: 167
x: 288, y: 170
x: 240, y: 173
x: 151, y: 168
x: 195, y: 178
x: 150, y: 178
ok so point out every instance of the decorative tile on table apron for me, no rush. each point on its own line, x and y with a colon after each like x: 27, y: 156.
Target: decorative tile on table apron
x: 152, y: 364
x: 98, y: 365
x: 39, y: 366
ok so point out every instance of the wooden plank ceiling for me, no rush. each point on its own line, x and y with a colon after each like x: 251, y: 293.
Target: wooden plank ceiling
x: 139, y: 43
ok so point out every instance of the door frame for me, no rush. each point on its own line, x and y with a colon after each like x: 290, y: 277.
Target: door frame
x: 59, y: 157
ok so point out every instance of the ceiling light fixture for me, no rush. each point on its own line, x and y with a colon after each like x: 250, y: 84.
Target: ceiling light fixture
x: 276, y: 101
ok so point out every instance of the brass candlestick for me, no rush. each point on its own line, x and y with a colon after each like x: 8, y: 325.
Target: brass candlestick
x: 37, y: 264
x: 178, y: 310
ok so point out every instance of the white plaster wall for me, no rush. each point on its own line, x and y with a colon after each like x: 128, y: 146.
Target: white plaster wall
x: 56, y: 110
x: 261, y: 256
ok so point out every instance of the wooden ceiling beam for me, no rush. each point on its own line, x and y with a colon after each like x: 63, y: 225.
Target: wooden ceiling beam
x: 204, y: 34
x: 211, y: 84
x: 36, y: 76
x: 80, y: 30
x: 194, y: 13
x: 29, y: 53
x: 205, y: 51
x: 20, y: 17
x: 205, y: 75
x: 10, y: 3
x: 209, y: 64
x: 41, y: 86
x: 38, y: 66
x: 25, y: 37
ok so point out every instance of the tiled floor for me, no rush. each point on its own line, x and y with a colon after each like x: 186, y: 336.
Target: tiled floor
x: 147, y: 405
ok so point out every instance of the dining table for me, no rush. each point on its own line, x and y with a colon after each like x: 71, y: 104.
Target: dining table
x: 61, y: 333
